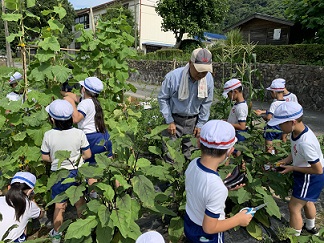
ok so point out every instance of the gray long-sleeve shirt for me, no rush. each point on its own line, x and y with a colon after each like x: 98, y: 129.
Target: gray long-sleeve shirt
x: 170, y: 104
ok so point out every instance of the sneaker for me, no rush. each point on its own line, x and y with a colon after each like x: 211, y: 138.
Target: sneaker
x: 313, y: 231
x: 56, y: 237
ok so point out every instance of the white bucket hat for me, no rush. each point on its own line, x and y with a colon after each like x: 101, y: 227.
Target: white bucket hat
x: 150, y: 237
x: 93, y: 84
x: 276, y: 86
x: 24, y: 177
x: 288, y: 111
x: 60, y: 110
x: 15, y: 78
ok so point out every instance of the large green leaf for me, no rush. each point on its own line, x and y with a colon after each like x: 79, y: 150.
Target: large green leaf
x: 75, y: 193
x: 55, y: 25
x: 144, y: 189
x: 37, y: 134
x: 108, y: 191
x: 134, y: 231
x: 142, y: 162
x: 81, y: 228
x: 122, y: 181
x: 62, y: 155
x: 122, y: 220
x: 104, y: 234
x: 20, y: 136
x: 56, y: 177
x: 30, y: 3
x: 11, y: 17
x: 254, y: 230
x: 91, y: 171
x: 50, y: 43
x: 175, y: 229
x: 60, y: 11
x: 155, y: 150
x: 44, y: 56
x: 94, y: 205
x: 31, y: 15
x: 104, y: 215
x: 243, y: 196
x: 58, y: 199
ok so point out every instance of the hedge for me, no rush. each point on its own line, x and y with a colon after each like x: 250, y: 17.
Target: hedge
x: 300, y: 54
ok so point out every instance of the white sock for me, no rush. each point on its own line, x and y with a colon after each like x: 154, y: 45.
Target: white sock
x: 298, y: 232
x: 310, y: 223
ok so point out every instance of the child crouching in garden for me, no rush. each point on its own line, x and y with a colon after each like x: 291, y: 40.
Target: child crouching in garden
x: 63, y: 137
x: 17, y: 208
x: 204, y: 220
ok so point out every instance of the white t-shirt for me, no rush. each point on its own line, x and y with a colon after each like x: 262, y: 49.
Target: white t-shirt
x: 305, y: 149
x: 8, y: 218
x: 274, y: 105
x: 206, y: 193
x: 88, y: 110
x: 73, y: 140
x: 290, y: 97
x: 12, y: 96
x: 238, y: 113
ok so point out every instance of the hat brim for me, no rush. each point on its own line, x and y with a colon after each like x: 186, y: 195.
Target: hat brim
x: 47, y: 109
x: 203, y: 67
x: 81, y: 83
x: 275, y: 121
x: 225, y: 94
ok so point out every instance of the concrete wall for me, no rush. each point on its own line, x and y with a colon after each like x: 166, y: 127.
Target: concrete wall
x: 307, y: 82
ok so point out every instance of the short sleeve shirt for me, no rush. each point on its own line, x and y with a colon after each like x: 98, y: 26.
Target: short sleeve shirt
x: 73, y: 140
x: 206, y: 193
x: 305, y: 149
x: 274, y: 105
x: 238, y: 113
x: 8, y: 218
x: 290, y: 97
x: 87, y: 108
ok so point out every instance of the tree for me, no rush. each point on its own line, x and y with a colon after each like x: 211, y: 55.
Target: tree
x: 192, y: 17
x: 241, y: 9
x: 310, y: 14
x: 68, y: 21
x: 33, y: 25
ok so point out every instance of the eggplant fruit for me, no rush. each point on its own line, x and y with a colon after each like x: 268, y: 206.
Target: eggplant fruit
x: 237, y: 181
x: 235, y: 173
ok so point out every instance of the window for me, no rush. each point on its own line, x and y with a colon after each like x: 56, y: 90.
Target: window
x: 83, y: 19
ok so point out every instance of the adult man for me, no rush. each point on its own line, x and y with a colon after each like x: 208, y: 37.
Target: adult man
x: 186, y: 96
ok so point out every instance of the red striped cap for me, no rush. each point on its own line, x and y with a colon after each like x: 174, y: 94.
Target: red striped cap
x: 231, y: 85
x: 276, y: 86
x: 218, y: 134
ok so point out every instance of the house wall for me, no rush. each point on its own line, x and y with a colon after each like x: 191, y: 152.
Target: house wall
x: 261, y: 32
x: 307, y: 82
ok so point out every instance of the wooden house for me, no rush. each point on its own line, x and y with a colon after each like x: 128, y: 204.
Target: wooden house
x: 263, y: 29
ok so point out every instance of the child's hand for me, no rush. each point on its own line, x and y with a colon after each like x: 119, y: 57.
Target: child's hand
x: 237, y: 187
x: 258, y: 112
x: 244, y: 219
x: 287, y: 169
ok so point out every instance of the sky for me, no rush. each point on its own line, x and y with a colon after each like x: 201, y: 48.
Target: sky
x: 77, y: 4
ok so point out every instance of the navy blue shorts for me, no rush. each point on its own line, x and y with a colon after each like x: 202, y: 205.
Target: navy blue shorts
x: 99, y: 143
x: 269, y: 136
x: 59, y: 187
x: 195, y: 233
x: 307, y: 187
x: 22, y: 238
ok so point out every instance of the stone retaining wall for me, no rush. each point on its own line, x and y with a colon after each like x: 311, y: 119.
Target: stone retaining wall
x: 307, y: 82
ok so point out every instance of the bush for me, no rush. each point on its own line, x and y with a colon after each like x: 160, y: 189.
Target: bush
x: 301, y: 54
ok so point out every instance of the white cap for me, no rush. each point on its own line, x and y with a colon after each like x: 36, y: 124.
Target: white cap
x: 288, y: 111
x: 150, y: 237
x: 93, y: 84
x: 60, y: 110
x: 15, y: 78
x: 231, y: 85
x: 201, y: 58
x: 218, y: 134
x: 24, y: 177
x: 276, y: 86
x: 280, y: 80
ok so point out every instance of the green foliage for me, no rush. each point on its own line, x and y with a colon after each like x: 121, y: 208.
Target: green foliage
x: 241, y: 9
x: 300, y: 54
x: 234, y: 37
x: 310, y: 15
x: 192, y: 17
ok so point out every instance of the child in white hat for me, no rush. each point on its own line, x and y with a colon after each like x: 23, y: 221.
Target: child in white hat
x: 288, y: 96
x: 15, y: 95
x: 307, y: 166
x: 276, y: 90
x: 90, y: 118
x: 63, y: 137
x: 204, y: 220
x: 17, y: 208
x: 234, y: 91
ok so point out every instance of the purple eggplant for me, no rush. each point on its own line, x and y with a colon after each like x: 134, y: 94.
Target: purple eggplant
x: 237, y: 181
x: 235, y: 173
